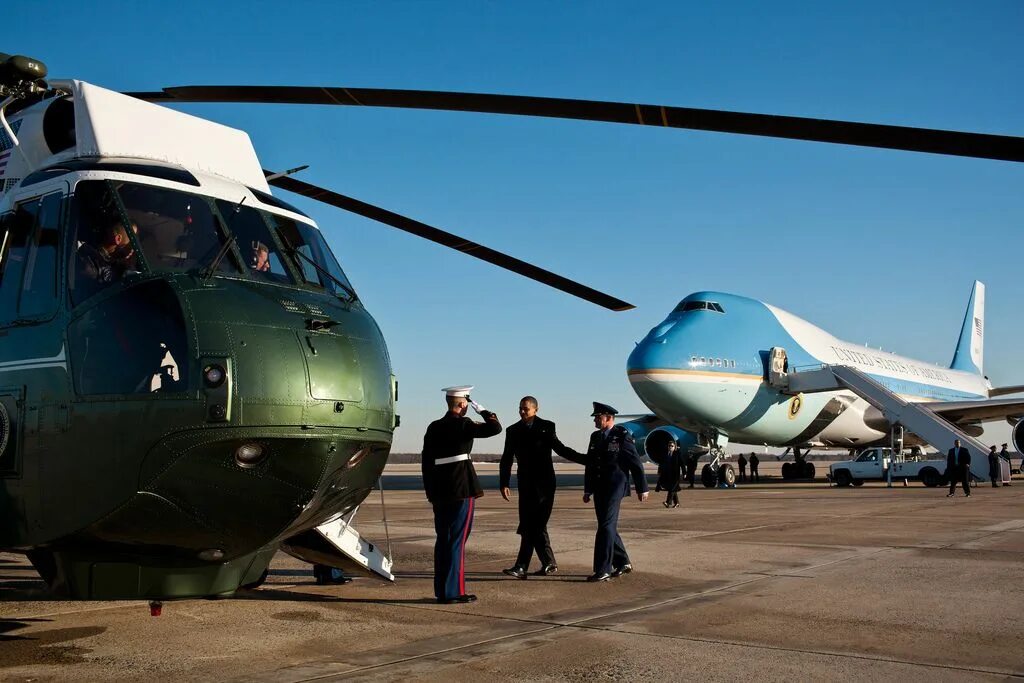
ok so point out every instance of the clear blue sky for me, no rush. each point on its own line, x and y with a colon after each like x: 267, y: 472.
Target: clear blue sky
x: 875, y: 246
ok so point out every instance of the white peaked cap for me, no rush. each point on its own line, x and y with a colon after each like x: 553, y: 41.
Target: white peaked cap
x: 455, y: 392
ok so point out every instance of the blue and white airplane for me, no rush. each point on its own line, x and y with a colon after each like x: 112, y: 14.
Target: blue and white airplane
x: 704, y: 372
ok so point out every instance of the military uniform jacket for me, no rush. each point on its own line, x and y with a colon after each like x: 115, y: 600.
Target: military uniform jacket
x: 610, y: 461
x: 448, y: 474
x: 530, y: 446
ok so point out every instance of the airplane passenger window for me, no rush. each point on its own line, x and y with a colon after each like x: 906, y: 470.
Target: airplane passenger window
x: 718, y: 362
x: 703, y: 360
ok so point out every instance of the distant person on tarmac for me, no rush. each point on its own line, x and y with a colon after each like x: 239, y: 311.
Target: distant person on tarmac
x: 670, y: 473
x: 993, y: 467
x: 1005, y: 455
x: 754, y: 476
x: 743, y: 467
x: 691, y: 469
x: 958, y: 467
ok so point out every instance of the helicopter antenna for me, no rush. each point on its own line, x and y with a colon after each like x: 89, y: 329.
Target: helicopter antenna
x: 290, y: 171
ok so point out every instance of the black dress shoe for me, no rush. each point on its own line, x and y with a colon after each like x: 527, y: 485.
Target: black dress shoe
x: 602, y: 576
x: 458, y: 599
x: 619, y: 571
x: 515, y: 571
x: 546, y: 570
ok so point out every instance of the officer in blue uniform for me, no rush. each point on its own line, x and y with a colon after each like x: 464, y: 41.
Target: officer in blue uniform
x: 452, y: 487
x: 610, y: 460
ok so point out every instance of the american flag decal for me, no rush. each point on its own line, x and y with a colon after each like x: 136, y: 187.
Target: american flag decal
x: 977, y: 326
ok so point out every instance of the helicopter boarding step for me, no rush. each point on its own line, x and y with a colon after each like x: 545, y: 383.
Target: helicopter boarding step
x: 915, y: 417
x: 337, y: 544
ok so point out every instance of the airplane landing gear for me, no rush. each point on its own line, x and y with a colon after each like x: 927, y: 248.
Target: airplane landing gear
x: 799, y: 468
x: 716, y: 472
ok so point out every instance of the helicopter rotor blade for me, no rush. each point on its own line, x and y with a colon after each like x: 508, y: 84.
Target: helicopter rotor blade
x: 446, y: 239
x: 978, y: 145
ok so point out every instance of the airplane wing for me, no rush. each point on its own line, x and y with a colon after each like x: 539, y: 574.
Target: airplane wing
x: 975, y: 411
x: 1003, y: 391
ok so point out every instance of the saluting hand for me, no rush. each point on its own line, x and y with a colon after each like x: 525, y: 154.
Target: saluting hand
x: 642, y: 496
x: 506, y: 492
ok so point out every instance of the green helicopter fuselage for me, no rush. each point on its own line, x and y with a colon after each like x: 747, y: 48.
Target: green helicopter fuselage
x: 186, y: 380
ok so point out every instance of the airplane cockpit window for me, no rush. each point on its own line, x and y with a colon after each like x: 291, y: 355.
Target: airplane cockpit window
x: 259, y: 249
x: 311, y: 256
x: 685, y: 306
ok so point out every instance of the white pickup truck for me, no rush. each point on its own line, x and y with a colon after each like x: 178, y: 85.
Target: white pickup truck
x: 871, y: 464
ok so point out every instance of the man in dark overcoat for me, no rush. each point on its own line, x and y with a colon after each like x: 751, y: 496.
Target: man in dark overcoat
x: 528, y: 442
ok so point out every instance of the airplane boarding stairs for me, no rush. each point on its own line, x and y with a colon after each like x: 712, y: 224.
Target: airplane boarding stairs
x: 915, y: 417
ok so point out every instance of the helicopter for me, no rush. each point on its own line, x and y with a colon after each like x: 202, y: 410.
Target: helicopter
x: 189, y: 381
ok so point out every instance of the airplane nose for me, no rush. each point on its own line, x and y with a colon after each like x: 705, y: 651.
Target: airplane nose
x: 650, y: 352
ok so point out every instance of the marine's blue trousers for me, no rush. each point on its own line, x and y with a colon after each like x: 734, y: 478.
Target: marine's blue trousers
x: 452, y: 523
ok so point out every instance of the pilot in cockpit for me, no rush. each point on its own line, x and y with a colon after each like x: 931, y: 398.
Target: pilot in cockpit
x: 260, y: 257
x: 103, y: 259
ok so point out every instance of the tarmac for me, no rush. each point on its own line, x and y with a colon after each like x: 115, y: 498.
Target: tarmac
x: 770, y: 581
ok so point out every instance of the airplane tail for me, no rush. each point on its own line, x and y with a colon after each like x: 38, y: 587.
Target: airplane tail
x: 970, y: 350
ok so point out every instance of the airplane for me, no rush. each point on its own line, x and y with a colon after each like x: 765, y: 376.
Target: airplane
x: 188, y: 380
x: 712, y: 374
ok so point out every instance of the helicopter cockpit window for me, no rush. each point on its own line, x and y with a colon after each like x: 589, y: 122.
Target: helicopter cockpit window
x: 15, y: 228
x: 103, y: 250
x: 39, y: 286
x: 176, y: 230
x: 259, y: 249
x: 312, y: 257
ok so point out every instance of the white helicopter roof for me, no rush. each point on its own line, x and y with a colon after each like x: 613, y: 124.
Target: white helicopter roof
x: 109, y: 124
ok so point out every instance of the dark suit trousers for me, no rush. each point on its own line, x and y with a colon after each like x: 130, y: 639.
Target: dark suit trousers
x: 534, y: 513
x: 608, y: 549
x: 959, y: 472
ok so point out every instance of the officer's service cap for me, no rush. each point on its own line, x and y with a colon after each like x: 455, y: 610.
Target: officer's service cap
x: 455, y: 392
x: 603, y: 409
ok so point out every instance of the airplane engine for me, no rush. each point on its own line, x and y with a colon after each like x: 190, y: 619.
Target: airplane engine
x: 656, y: 444
x: 1017, y: 436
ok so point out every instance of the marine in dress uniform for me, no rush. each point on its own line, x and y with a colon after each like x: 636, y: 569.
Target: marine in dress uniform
x: 610, y: 460
x: 528, y: 442
x: 452, y: 486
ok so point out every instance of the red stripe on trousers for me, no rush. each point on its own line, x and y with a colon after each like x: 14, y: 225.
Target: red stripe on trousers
x: 462, y: 551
